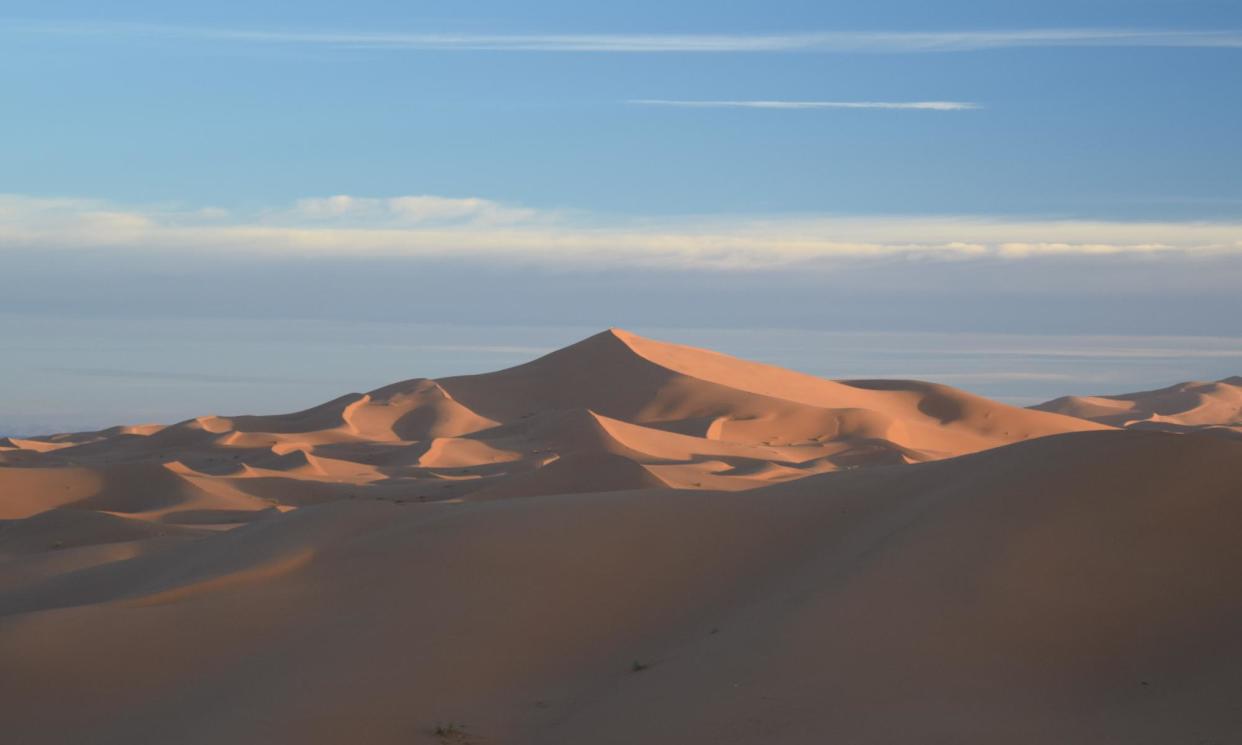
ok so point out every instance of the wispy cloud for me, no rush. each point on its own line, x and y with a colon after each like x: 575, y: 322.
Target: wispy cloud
x: 890, y: 42
x: 915, y: 105
x: 474, y: 229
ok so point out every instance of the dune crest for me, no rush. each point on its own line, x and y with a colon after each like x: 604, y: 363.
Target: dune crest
x: 1206, y: 407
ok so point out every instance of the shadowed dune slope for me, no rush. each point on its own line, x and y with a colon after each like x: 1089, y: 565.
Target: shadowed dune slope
x: 1080, y: 588
x: 1214, y: 408
x: 71, y: 528
x: 576, y: 473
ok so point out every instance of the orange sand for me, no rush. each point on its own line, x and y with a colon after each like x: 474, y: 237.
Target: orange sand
x: 628, y: 541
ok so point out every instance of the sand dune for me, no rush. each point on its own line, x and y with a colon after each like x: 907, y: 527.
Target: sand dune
x: 630, y: 541
x: 1212, y: 408
x: 703, y: 419
x: 1073, y: 589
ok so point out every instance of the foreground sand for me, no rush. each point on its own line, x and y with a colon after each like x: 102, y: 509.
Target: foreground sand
x: 1056, y: 581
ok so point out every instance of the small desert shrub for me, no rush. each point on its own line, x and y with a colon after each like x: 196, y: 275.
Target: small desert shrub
x: 450, y: 732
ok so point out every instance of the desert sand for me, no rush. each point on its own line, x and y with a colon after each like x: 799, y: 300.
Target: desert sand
x: 1205, y: 407
x: 629, y: 541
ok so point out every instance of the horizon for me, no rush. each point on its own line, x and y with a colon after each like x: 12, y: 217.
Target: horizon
x: 1051, y: 366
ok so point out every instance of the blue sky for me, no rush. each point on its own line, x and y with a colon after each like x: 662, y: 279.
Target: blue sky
x: 129, y: 113
x: 898, y: 166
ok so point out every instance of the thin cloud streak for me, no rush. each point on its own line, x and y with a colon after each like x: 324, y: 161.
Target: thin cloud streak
x: 800, y: 105
x: 884, y: 42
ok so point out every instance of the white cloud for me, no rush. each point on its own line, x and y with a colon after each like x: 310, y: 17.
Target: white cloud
x: 439, y: 227
x: 410, y: 210
x: 891, y: 42
x: 915, y: 105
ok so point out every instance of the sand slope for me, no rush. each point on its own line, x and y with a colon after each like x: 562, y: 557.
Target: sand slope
x: 1213, y: 408
x: 1073, y: 589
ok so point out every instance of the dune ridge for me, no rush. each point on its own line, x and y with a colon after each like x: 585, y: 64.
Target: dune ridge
x: 1204, y: 407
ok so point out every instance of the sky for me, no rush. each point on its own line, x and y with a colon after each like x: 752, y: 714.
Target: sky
x: 212, y: 175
